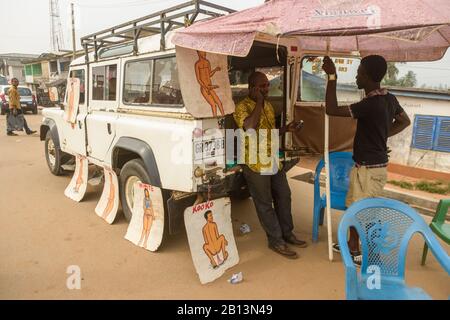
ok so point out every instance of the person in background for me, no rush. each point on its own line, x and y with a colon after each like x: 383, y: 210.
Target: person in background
x: 14, y: 108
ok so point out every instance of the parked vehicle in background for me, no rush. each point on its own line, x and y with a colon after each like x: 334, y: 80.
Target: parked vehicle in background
x: 3, y: 80
x: 27, y: 99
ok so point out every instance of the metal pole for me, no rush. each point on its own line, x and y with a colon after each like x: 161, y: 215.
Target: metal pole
x: 327, y: 175
x: 73, y: 33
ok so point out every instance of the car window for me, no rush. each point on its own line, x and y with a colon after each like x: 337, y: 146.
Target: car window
x: 166, y: 86
x: 137, y: 84
x: 22, y: 91
x: 104, y: 82
x: 80, y: 75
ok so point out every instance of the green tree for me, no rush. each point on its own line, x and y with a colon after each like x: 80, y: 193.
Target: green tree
x: 408, y: 80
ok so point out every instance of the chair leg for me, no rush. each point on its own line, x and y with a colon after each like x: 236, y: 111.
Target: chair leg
x: 322, y: 213
x: 424, y: 254
x: 315, y: 231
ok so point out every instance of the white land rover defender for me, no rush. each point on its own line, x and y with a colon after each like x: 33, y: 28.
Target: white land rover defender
x: 132, y: 117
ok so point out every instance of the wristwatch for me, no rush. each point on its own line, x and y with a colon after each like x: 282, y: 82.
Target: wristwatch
x: 332, y: 77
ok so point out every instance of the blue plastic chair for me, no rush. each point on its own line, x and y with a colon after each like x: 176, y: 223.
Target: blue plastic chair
x: 385, y: 227
x: 340, y: 165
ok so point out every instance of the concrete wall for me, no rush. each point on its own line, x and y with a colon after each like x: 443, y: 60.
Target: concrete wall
x: 403, y: 153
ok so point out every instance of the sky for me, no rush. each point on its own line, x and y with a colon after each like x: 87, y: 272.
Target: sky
x: 31, y: 32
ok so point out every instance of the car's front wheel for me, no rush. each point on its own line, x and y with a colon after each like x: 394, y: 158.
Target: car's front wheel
x: 54, y: 156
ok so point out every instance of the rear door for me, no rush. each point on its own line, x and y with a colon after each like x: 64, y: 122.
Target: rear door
x: 74, y: 135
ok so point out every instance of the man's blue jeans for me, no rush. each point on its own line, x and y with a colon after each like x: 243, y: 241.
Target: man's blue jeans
x: 272, y: 198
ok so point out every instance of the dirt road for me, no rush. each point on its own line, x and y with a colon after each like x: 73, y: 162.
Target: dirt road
x: 42, y: 233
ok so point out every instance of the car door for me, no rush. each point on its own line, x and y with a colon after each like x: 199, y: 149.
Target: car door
x: 103, y: 103
x: 74, y: 135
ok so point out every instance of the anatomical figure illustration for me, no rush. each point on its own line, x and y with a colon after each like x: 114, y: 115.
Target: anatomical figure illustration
x: 148, y: 218
x: 204, y: 74
x: 215, y: 243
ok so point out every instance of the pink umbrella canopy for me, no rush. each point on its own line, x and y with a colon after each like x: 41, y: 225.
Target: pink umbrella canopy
x: 400, y: 30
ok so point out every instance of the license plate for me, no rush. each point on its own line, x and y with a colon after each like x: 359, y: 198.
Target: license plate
x: 209, y: 148
x: 23, y: 104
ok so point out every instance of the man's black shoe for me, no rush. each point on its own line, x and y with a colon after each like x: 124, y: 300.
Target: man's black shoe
x: 284, y: 251
x: 296, y: 242
x: 31, y: 132
x: 11, y: 134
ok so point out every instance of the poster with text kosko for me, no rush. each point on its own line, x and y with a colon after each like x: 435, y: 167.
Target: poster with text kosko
x: 146, y: 227
x: 211, y: 239
x: 204, y: 83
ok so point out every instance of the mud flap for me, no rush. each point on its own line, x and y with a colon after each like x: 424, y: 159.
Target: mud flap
x: 176, y: 209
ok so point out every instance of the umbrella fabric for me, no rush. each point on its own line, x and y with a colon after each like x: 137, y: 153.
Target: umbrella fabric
x: 401, y: 30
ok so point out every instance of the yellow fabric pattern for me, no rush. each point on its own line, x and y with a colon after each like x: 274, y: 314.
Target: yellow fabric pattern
x: 267, y: 121
x: 14, y: 98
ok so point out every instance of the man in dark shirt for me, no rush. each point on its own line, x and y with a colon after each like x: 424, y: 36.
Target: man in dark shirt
x: 379, y: 116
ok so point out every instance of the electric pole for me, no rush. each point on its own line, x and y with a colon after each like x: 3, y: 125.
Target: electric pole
x: 56, y: 34
x: 73, y: 32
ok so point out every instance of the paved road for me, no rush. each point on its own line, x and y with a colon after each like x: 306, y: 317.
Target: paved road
x: 42, y: 233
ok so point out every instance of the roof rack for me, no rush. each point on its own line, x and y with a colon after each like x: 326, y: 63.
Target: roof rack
x: 161, y: 22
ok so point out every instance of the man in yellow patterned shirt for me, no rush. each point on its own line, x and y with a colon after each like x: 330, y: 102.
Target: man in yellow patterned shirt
x: 15, y: 109
x: 266, y: 181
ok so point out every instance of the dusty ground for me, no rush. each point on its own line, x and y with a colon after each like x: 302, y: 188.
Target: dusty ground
x: 42, y: 233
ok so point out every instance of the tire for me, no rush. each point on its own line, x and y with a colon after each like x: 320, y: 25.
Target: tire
x: 2, y: 112
x: 54, y: 156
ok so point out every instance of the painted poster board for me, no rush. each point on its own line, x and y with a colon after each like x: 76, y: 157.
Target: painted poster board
x: 78, y: 184
x: 211, y: 239
x: 109, y: 200
x: 204, y: 83
x: 73, y: 97
x: 146, y: 227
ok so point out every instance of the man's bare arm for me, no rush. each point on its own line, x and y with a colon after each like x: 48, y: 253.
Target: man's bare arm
x: 331, y: 104
x: 252, y: 121
x: 401, y: 121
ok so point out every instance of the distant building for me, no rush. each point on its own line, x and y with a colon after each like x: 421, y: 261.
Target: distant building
x: 426, y: 143
x: 12, y: 66
x: 46, y: 68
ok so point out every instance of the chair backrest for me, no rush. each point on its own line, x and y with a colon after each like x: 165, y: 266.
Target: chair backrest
x: 442, y: 211
x: 340, y: 165
x: 385, y: 227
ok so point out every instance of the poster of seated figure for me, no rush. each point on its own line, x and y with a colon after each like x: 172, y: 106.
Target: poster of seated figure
x: 146, y: 227
x: 72, y: 103
x: 211, y: 240
x: 78, y: 185
x: 109, y: 201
